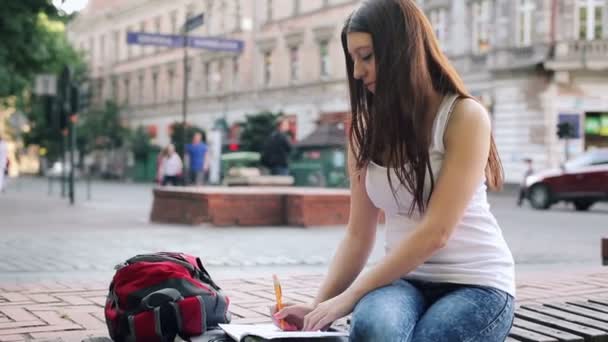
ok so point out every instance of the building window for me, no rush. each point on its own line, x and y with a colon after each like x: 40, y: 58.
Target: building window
x: 157, y: 29
x: 207, y: 71
x: 325, y: 60
x: 235, y: 72
x: 237, y: 15
x: 296, y: 7
x: 127, y: 91
x: 481, y: 26
x: 190, y: 84
x: 142, y: 28
x: 114, y: 90
x: 525, y: 9
x: 100, y: 91
x: 155, y: 87
x: 116, y: 44
x: 102, y: 48
x: 269, y: 13
x: 438, y: 19
x: 294, y: 63
x: 173, y: 19
x: 129, y: 46
x: 171, y: 75
x: 140, y: 95
x: 267, y: 67
x: 92, y: 50
x: 189, y: 12
x: 590, y: 19
x: 222, y: 14
x: 220, y: 75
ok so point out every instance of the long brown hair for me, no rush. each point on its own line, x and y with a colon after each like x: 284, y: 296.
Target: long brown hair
x: 410, y: 68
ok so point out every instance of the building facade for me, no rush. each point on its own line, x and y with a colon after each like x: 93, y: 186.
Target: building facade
x: 531, y: 62
x: 291, y: 62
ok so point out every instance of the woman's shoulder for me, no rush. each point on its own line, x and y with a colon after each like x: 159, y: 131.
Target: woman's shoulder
x: 468, y: 112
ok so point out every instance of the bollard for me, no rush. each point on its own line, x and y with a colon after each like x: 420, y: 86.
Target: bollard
x: 605, y: 251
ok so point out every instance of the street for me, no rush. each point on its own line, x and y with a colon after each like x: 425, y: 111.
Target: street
x: 43, y: 238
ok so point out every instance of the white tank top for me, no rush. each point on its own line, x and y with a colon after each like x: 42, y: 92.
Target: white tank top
x: 476, y: 252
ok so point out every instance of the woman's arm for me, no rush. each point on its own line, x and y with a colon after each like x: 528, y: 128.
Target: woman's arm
x: 467, y: 141
x: 355, y: 248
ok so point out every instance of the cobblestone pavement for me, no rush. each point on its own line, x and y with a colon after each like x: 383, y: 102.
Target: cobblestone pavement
x: 72, y: 311
x: 56, y: 260
x: 43, y: 238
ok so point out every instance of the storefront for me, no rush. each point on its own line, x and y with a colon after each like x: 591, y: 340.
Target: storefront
x: 596, y: 130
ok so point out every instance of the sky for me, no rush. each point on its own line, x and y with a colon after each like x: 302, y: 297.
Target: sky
x: 70, y: 6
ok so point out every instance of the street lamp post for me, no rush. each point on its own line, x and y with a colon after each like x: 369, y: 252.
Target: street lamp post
x: 190, y: 24
x: 185, y: 94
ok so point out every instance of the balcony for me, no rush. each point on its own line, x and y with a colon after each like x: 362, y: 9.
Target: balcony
x: 578, y: 55
x: 518, y: 57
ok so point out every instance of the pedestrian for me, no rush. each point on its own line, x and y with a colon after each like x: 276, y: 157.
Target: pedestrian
x: 522, y: 186
x: 3, y: 162
x: 420, y: 149
x: 198, y: 163
x: 276, y: 149
x: 172, y: 167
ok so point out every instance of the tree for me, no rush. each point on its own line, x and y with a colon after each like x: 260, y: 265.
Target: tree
x: 177, y: 135
x: 256, y: 129
x: 102, y: 129
x: 141, y: 144
x: 32, y: 41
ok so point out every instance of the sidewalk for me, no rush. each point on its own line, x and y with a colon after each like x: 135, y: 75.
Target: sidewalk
x: 60, y: 311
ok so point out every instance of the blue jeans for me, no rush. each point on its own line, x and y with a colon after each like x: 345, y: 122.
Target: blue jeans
x: 415, y: 311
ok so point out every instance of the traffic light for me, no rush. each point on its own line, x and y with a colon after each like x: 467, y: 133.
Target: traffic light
x: 565, y: 130
x: 233, y: 147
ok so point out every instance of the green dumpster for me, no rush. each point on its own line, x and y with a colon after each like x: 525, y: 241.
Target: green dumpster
x: 144, y: 170
x: 320, y: 159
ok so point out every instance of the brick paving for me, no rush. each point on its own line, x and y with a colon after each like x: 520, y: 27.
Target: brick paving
x: 62, y: 311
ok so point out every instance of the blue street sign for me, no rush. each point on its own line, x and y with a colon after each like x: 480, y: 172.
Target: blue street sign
x: 169, y: 40
x: 194, y: 22
x: 142, y: 38
x: 216, y: 44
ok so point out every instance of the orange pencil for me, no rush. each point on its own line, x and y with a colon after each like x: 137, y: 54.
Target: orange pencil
x: 279, y: 296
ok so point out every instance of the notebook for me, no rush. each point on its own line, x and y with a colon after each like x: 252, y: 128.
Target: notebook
x: 270, y: 332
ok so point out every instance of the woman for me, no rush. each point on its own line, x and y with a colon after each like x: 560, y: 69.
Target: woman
x: 421, y: 150
x: 171, y: 166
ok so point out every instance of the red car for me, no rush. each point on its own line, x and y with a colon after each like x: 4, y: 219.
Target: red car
x: 582, y: 181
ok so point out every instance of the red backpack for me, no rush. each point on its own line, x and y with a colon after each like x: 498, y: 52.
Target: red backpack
x: 155, y: 297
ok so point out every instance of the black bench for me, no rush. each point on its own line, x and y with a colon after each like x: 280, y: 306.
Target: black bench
x: 571, y: 321
x: 577, y: 320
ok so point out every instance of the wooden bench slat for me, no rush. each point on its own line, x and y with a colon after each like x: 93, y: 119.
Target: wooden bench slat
x: 601, y: 301
x: 573, y: 309
x: 529, y: 336
x: 590, y: 334
x: 590, y: 305
x: 569, y: 317
x: 511, y: 339
x: 545, y: 330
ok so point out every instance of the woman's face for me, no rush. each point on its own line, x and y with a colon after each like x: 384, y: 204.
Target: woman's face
x: 361, y: 50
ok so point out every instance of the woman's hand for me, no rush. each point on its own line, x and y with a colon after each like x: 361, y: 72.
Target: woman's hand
x: 292, y: 316
x: 322, y: 317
